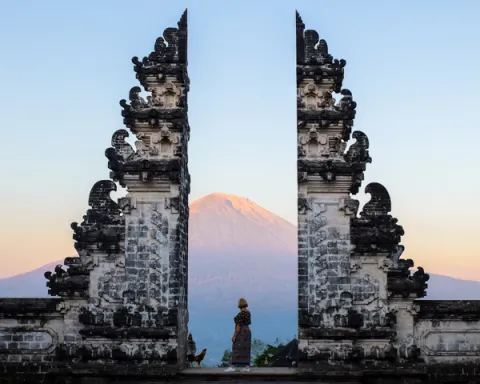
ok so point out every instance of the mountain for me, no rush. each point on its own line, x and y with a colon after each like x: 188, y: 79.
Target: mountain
x: 237, y: 248
x: 224, y: 223
x: 448, y: 288
x: 28, y: 284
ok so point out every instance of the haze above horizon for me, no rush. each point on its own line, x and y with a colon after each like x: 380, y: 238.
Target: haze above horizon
x: 70, y: 63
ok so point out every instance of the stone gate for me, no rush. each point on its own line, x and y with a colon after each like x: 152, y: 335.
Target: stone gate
x: 120, y: 311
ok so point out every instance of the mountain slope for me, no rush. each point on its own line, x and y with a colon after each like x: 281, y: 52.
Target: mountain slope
x: 222, y: 222
x: 28, y: 284
x: 238, y: 248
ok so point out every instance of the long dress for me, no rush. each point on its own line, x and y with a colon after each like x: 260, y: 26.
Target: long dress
x: 241, y: 348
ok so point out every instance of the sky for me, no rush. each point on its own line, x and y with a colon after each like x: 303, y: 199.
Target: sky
x: 413, y: 68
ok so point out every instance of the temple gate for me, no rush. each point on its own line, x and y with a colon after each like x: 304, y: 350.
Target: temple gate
x: 120, y: 311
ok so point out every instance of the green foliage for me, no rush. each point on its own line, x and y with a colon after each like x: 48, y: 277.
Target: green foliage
x: 260, y: 352
x: 257, y: 348
x: 268, y: 351
x: 226, y: 359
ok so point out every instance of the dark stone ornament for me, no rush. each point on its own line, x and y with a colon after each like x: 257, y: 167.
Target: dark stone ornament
x: 346, y: 104
x: 328, y: 174
x: 302, y: 177
x: 343, y: 112
x: 102, y: 229
x: 61, y: 283
x: 379, y: 204
x: 169, y: 56
x: 123, y: 149
x: 191, y: 348
x: 136, y: 101
x: 400, y: 266
x: 303, y: 206
x: 118, y: 154
x: 406, y: 285
x: 389, y: 320
x: 375, y: 230
x: 313, y: 59
x: 358, y: 151
x: 103, y: 226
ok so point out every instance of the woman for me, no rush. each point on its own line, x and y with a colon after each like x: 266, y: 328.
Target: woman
x: 242, y: 338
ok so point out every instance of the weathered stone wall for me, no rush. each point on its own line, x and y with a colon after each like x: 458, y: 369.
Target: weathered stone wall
x: 124, y: 298
x: 156, y: 176
x: 448, y: 331
x: 327, y: 174
x: 30, y: 330
x: 357, y: 295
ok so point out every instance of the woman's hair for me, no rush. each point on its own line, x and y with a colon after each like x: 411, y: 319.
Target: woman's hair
x: 242, y: 303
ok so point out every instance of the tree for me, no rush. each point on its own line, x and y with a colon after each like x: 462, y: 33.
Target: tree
x: 258, y: 347
x: 226, y: 359
x: 268, y: 351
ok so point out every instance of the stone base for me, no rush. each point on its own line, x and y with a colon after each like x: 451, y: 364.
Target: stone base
x: 141, y: 373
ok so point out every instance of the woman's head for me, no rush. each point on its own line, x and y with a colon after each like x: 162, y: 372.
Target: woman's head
x: 242, y: 303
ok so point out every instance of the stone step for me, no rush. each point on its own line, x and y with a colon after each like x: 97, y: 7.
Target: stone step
x: 256, y: 375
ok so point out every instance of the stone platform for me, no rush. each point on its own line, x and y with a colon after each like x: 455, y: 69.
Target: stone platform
x: 404, y: 375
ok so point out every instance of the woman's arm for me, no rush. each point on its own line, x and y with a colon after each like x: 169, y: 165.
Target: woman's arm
x: 236, y: 332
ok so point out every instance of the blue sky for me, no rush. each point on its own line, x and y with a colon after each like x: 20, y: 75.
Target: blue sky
x: 413, y: 68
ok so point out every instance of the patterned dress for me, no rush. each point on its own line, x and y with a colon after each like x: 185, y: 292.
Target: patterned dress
x: 243, y: 342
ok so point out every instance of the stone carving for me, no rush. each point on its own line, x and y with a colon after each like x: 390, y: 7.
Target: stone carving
x: 136, y: 101
x: 341, y: 113
x: 62, y: 283
x: 346, y: 104
x: 102, y: 230
x: 375, y: 230
x: 378, y: 232
x: 160, y: 149
x: 121, y: 148
x: 349, y: 206
x: 316, y: 62
x: 140, y: 165
x: 365, y: 289
x: 402, y: 265
x: 387, y: 352
x: 18, y: 340
x: 335, y: 306
x: 139, y: 290
x: 379, y: 203
x: 170, y: 49
x: 358, y: 151
x: 405, y: 285
x: 314, y: 143
x: 192, y: 348
x: 168, y: 95
x: 328, y: 174
x: 313, y: 97
x: 103, y: 226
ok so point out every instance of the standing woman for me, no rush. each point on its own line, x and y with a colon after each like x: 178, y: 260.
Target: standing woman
x: 242, y: 338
